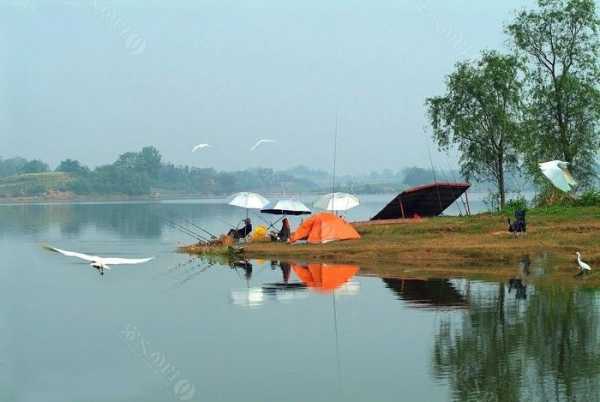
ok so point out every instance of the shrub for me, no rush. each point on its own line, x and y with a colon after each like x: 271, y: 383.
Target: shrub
x: 551, y: 197
x: 513, y: 205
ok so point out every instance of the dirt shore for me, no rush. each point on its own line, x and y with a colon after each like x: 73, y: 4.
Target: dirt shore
x: 475, y: 246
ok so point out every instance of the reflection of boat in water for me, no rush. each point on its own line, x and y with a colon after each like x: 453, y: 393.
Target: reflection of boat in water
x: 430, y: 293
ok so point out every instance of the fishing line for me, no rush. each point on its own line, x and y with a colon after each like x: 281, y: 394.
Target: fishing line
x: 199, y: 228
x: 186, y: 231
x: 451, y: 172
x: 226, y: 222
x: 337, y: 346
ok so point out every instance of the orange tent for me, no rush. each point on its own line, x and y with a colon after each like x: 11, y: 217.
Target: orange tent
x: 323, y: 228
x: 325, y: 277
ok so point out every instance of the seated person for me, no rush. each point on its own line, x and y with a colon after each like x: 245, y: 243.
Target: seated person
x: 243, y: 232
x: 519, y: 225
x: 284, y: 233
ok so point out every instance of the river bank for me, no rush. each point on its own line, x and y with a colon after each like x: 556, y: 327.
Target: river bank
x: 478, y: 245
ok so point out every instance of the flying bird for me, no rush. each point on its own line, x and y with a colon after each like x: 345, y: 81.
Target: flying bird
x: 558, y: 174
x: 200, y: 146
x: 100, y: 263
x: 583, y: 267
x: 260, y: 142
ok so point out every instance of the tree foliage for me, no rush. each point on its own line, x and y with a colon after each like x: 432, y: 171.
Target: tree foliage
x: 72, y: 166
x: 34, y: 166
x: 560, y: 43
x: 11, y: 166
x: 480, y: 114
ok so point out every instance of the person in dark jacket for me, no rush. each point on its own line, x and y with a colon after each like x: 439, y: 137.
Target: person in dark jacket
x: 519, y: 225
x: 284, y: 233
x: 243, y: 232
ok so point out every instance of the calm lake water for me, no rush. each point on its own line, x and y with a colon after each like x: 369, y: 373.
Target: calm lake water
x: 179, y: 329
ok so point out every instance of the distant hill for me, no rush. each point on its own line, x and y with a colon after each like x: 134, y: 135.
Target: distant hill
x: 145, y: 174
x: 34, y: 184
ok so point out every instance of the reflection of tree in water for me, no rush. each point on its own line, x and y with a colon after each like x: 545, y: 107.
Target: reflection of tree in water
x: 506, y: 350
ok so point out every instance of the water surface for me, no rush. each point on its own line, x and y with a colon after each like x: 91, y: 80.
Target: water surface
x: 184, y: 329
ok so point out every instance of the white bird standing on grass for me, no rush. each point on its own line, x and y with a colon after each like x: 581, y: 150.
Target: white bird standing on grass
x: 583, y: 267
x: 100, y: 263
x: 558, y: 174
x: 260, y: 142
x: 200, y: 146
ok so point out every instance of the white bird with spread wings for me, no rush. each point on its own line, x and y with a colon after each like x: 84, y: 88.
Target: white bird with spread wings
x: 260, y: 142
x: 100, y: 263
x: 558, y: 174
x: 201, y: 146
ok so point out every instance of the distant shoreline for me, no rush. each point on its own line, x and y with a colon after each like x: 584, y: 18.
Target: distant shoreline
x: 75, y: 199
x: 69, y: 198
x: 66, y: 198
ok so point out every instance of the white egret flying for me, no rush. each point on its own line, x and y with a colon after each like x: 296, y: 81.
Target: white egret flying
x: 558, y: 174
x: 200, y: 146
x: 260, y: 142
x: 100, y: 263
x: 583, y: 267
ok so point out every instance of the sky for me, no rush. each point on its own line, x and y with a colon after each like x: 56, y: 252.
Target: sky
x: 90, y: 80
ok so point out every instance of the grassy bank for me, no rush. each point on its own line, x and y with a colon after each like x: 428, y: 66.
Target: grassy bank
x: 34, y: 185
x: 467, y: 246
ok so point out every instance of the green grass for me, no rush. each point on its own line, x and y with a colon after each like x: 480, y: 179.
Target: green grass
x: 33, y: 184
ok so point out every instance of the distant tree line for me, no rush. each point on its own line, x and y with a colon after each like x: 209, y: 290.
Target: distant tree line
x: 141, y: 173
x: 144, y: 173
x: 14, y: 166
x: 538, y: 102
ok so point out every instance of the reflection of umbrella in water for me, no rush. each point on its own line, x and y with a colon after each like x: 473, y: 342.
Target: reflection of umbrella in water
x: 325, y: 278
x: 251, y: 297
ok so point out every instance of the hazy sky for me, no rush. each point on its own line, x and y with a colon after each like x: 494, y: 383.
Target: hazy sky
x: 89, y: 80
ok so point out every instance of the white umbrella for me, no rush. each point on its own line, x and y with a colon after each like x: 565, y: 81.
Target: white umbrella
x: 337, y: 202
x: 287, y: 207
x: 248, y: 200
x: 558, y: 174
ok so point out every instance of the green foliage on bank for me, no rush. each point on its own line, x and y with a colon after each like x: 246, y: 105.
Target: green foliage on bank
x: 34, y: 184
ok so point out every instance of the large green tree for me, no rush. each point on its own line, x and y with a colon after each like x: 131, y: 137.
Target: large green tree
x: 560, y: 41
x: 480, y: 114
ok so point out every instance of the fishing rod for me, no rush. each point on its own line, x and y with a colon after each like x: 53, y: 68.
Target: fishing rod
x: 180, y: 228
x: 185, y: 230
x: 226, y: 222
x: 465, y: 207
x: 188, y: 232
x: 196, y: 234
x: 199, y: 228
x: 265, y: 221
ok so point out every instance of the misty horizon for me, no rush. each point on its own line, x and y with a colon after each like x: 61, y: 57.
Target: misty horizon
x: 92, y: 80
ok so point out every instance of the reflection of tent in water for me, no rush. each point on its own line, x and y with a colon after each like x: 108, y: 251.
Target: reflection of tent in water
x: 325, y: 278
x: 324, y: 228
x: 433, y: 293
x: 423, y: 201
